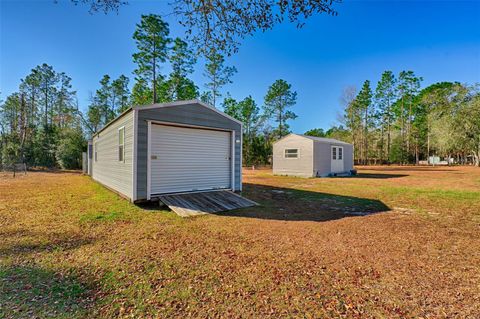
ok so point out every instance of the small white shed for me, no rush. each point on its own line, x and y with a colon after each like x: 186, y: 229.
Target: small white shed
x: 309, y: 156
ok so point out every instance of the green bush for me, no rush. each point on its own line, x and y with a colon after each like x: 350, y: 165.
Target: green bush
x: 70, y: 148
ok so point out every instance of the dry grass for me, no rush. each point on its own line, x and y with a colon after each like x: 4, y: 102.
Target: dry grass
x: 69, y: 248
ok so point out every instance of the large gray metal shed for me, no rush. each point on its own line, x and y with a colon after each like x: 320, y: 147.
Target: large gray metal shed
x: 170, y: 148
x: 309, y: 156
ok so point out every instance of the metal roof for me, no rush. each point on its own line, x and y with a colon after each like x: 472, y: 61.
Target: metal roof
x: 169, y: 104
x: 318, y: 139
x: 323, y: 139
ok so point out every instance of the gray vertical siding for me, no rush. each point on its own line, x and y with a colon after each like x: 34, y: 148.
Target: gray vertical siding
x: 301, y: 166
x: 348, y: 157
x: 190, y: 114
x: 108, y: 170
x: 323, y: 160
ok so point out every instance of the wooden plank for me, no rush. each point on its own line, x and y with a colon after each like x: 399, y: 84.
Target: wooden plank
x: 215, y: 198
x: 188, y: 206
x: 191, y: 204
x: 180, y: 206
x: 205, y: 202
x: 236, y: 200
x: 201, y: 206
x: 183, y: 205
x: 226, y: 199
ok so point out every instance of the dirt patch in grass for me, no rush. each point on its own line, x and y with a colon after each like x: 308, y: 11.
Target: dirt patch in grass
x: 71, y: 249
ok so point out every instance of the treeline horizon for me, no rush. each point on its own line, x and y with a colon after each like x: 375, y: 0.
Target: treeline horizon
x: 397, y: 122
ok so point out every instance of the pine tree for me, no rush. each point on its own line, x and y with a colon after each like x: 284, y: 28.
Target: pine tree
x: 217, y: 74
x: 64, y: 104
x: 151, y: 38
x: 141, y: 93
x: 103, y: 100
x: 182, y: 59
x: 248, y: 113
x: 352, y: 119
x: 364, y: 103
x: 384, y: 99
x: 278, y: 100
x: 408, y: 86
x: 121, y: 94
x: 48, y: 78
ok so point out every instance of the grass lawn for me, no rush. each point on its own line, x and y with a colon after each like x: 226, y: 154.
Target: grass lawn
x: 393, y: 242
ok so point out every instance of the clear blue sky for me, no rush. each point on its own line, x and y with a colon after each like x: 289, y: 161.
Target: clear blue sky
x: 439, y: 40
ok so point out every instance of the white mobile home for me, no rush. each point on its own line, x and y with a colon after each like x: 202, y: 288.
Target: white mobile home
x: 177, y: 147
x: 309, y: 156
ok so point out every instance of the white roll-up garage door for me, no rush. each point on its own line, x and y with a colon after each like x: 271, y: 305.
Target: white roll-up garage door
x: 184, y: 159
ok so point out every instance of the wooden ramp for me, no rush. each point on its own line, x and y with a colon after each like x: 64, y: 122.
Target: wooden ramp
x: 192, y: 204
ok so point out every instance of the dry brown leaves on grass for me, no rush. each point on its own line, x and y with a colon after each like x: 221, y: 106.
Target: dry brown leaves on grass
x: 70, y: 248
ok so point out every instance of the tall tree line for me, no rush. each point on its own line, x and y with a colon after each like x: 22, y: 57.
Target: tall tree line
x: 40, y: 123
x: 398, y: 122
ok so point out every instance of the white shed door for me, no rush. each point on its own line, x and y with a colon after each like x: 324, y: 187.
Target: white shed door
x: 337, y: 159
x: 189, y: 159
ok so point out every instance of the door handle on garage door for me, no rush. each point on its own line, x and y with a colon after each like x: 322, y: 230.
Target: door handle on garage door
x: 153, y: 157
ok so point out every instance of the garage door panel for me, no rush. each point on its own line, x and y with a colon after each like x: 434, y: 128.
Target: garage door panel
x: 188, y: 159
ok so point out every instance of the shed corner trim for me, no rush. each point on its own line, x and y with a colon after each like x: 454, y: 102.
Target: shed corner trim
x: 135, y: 154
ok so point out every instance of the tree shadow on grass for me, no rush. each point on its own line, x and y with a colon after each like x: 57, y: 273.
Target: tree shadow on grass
x: 378, y: 175
x: 29, y: 291
x: 34, y: 242
x: 299, y: 205
x: 407, y: 168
